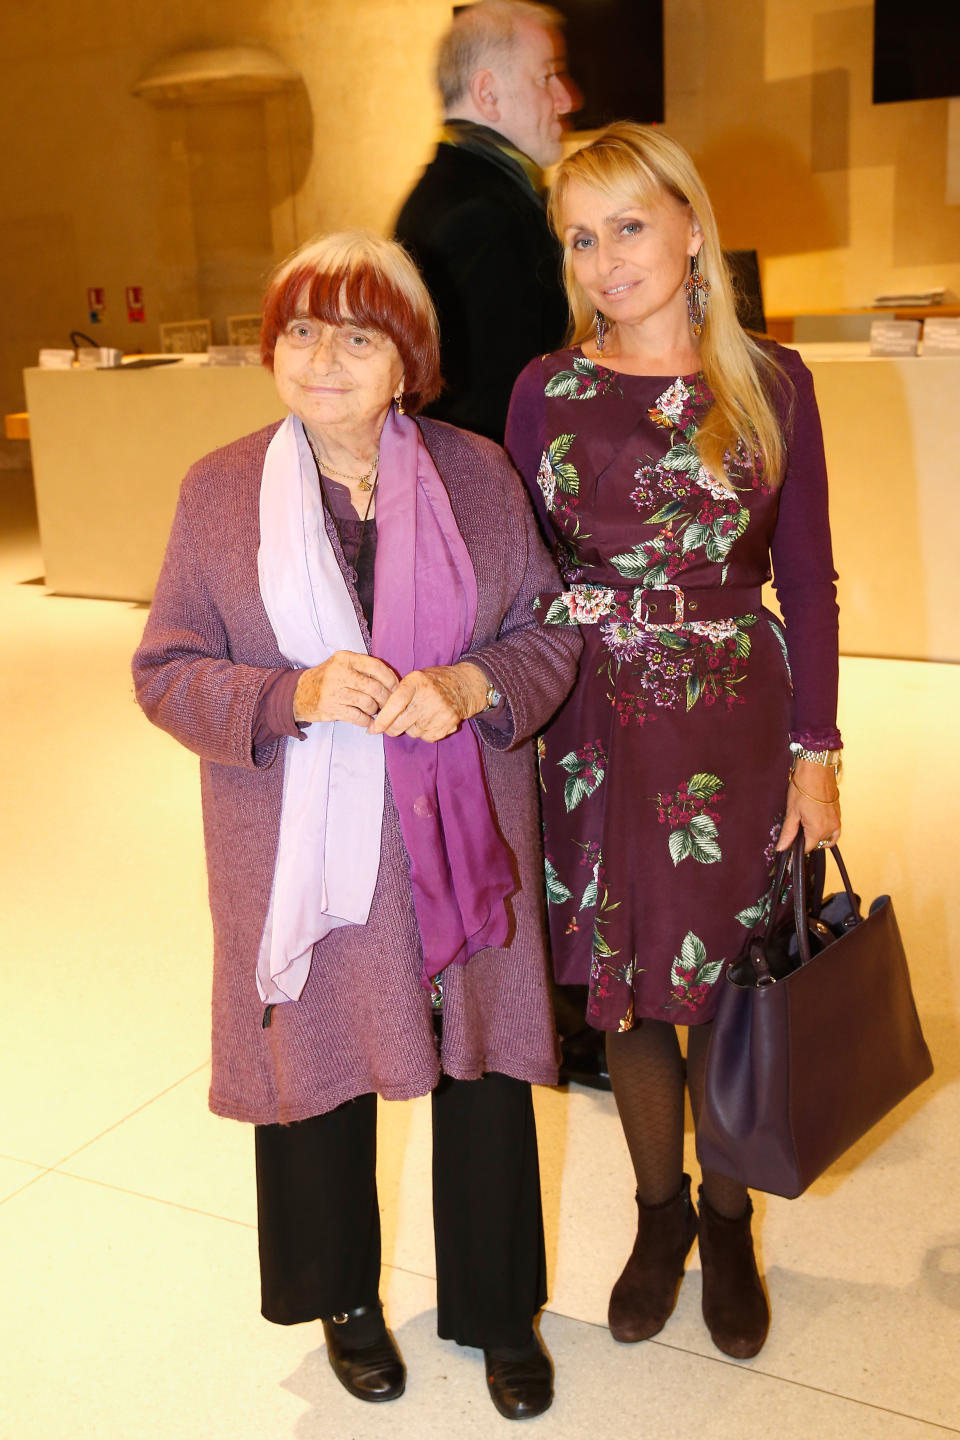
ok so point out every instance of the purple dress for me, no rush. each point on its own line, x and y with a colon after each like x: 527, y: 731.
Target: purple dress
x: 663, y: 777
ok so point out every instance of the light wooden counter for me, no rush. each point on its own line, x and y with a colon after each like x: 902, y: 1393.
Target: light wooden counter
x: 110, y: 448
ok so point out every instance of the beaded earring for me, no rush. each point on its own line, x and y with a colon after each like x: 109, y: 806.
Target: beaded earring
x: 697, y: 289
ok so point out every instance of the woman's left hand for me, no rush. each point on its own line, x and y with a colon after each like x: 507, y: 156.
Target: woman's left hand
x: 817, y: 811
x: 430, y: 704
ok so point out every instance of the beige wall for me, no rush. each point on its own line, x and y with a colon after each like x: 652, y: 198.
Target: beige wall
x: 842, y: 198
x: 193, y: 203
x: 773, y: 96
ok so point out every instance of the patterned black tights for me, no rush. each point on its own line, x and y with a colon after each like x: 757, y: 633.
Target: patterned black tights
x: 647, y: 1073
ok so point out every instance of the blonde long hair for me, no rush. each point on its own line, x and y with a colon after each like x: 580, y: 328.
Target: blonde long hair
x: 640, y: 164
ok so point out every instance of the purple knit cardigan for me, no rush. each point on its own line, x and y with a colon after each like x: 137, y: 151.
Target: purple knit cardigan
x: 363, y: 1022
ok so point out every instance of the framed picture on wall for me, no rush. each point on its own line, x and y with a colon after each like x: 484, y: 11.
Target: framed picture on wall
x: 185, y: 337
x: 615, y: 54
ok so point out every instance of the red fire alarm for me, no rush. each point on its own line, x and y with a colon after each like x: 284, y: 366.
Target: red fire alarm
x: 135, y: 310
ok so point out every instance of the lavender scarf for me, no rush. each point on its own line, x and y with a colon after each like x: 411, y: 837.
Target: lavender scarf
x: 425, y: 608
x: 328, y: 850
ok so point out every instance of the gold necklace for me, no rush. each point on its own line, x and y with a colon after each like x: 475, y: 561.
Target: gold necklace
x: 364, y: 482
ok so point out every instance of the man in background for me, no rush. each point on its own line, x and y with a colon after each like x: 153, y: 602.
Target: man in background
x: 475, y: 221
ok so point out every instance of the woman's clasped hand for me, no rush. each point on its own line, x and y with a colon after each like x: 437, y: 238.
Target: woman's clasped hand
x: 432, y: 703
x: 427, y: 704
x: 347, y: 687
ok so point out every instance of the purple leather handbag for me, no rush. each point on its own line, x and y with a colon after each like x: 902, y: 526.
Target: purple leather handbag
x: 816, y: 1037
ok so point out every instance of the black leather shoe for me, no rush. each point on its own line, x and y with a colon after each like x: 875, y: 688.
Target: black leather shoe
x: 372, y: 1370
x: 520, y: 1381
x: 583, y: 1061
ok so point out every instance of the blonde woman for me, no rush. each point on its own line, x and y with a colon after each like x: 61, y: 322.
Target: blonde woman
x: 671, y: 456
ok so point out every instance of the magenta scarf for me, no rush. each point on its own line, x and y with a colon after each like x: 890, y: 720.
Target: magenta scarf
x: 425, y: 607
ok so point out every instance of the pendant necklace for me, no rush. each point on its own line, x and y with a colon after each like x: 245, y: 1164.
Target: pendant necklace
x: 365, y: 482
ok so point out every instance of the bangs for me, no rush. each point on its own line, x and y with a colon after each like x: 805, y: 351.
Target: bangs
x: 626, y: 178
x: 348, y: 295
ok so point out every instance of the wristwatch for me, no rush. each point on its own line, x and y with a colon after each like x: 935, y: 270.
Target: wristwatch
x: 493, y: 697
x: 833, y: 758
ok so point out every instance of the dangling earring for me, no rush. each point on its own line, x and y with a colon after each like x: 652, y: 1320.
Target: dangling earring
x: 697, y: 288
x: 398, y: 401
x: 600, y: 330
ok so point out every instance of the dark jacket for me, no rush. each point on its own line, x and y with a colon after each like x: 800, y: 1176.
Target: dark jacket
x: 481, y: 240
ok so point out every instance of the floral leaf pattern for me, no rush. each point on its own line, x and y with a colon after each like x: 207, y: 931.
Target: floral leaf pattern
x: 583, y: 382
x: 585, y: 769
x: 606, y: 976
x: 692, y: 975
x: 759, y: 912
x: 751, y: 915
x: 692, y: 813
x: 682, y: 456
x: 782, y: 642
x: 583, y: 605
x: 697, y: 511
x: 560, y: 613
x: 557, y: 892
x: 705, y: 662
x: 592, y: 857
x: 556, y: 473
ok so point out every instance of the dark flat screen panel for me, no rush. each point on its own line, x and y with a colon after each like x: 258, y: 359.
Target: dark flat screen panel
x: 916, y: 49
x: 615, y: 50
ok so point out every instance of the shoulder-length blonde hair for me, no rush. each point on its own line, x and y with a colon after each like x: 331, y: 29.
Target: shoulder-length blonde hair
x: 639, y: 164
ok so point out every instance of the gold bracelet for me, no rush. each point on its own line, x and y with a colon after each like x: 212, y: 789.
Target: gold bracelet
x: 815, y: 798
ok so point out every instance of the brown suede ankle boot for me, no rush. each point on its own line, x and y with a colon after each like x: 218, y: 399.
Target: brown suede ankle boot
x: 644, y: 1296
x: 734, y: 1303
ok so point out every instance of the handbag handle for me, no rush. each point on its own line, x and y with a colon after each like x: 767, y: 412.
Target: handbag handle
x: 794, y: 862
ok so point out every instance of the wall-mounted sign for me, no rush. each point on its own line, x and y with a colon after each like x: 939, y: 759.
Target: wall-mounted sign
x: 96, y: 303
x: 135, y: 309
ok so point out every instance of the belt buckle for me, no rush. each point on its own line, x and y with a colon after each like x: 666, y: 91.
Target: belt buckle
x: 678, y: 602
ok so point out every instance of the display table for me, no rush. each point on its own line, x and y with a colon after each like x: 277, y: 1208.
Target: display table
x: 110, y: 448
x: 844, y: 325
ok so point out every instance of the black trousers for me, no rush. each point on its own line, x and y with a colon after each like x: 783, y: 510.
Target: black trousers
x: 319, y: 1217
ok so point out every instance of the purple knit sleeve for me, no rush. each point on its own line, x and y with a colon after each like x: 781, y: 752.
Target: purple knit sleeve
x: 803, y: 572
x: 273, y: 714
x: 184, y: 677
x: 525, y: 437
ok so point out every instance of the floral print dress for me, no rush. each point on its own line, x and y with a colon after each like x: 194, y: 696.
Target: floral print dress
x: 664, y: 775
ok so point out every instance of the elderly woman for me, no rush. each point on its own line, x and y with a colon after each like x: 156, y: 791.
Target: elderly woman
x: 671, y: 456
x: 343, y: 631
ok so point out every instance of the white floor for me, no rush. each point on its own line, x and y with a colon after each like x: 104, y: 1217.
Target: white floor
x: 127, y: 1212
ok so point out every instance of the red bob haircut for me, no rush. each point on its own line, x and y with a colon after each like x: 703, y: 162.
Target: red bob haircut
x: 354, y: 276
